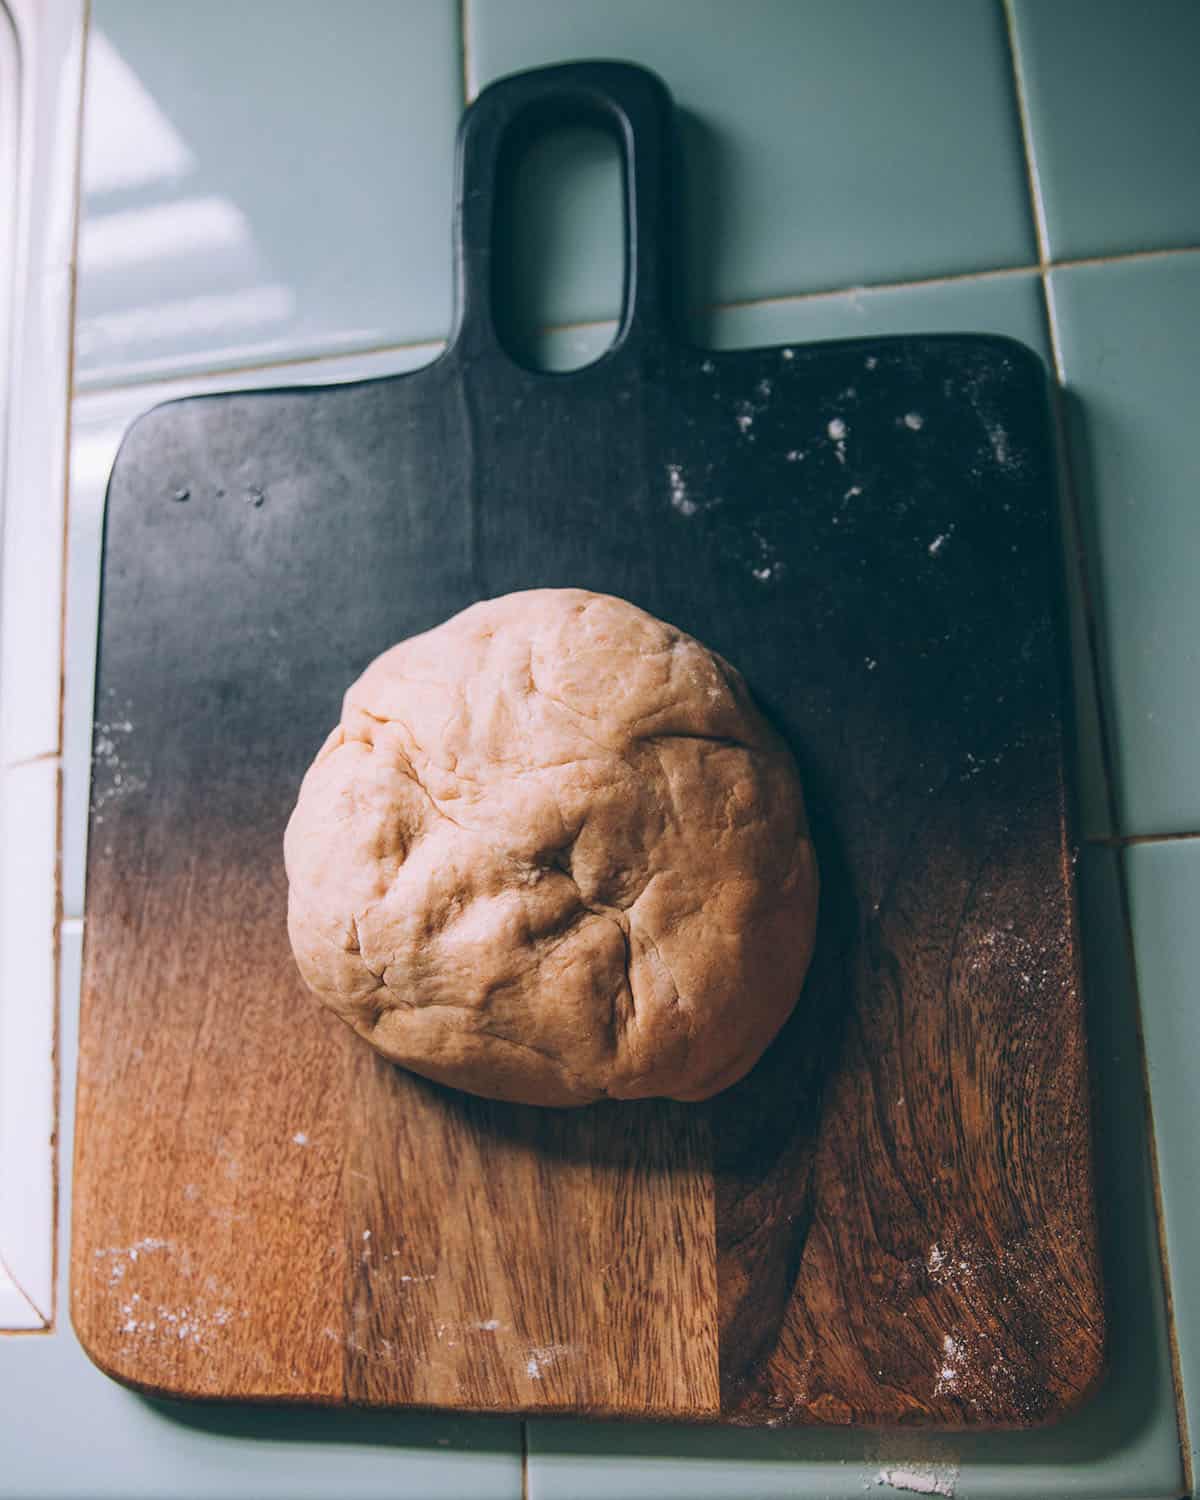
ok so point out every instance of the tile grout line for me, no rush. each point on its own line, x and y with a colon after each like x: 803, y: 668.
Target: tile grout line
x: 255, y: 366
x: 1136, y: 840
x: 1119, y: 257
x: 782, y: 299
x: 917, y: 284
x: 47, y: 1319
x: 464, y: 27
x: 1065, y: 463
x: 524, y: 1459
x: 993, y: 273
x: 1087, y: 586
x: 1164, y: 1263
x: 56, y: 1217
x: 35, y: 759
x: 1036, y: 200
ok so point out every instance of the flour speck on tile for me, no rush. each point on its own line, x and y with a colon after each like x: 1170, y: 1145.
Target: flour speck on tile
x: 916, y: 1464
x: 913, y: 420
x: 838, y: 432
x: 919, y: 1479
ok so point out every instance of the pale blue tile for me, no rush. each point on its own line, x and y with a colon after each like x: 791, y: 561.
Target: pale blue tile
x: 70, y: 1433
x: 1123, y: 1445
x: 569, y: 348
x: 1129, y: 364
x: 824, y: 144
x: 559, y: 227
x: 67, y: 1432
x: 264, y: 181
x: 1114, y: 113
x: 1164, y: 893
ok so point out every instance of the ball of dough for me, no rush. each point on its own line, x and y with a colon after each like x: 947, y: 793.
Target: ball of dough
x: 553, y: 853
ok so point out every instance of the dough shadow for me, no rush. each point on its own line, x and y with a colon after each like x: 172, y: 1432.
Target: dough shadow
x: 766, y: 1129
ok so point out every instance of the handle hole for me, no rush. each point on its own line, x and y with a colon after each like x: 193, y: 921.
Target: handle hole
x: 558, y: 262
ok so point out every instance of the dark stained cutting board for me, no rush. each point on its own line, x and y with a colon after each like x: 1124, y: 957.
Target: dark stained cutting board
x: 891, y: 1219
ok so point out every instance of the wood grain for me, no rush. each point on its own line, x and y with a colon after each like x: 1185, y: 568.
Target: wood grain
x: 891, y: 1220
x: 209, y: 1256
x: 615, y: 1313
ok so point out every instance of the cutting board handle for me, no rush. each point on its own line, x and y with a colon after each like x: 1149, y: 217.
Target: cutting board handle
x: 631, y: 102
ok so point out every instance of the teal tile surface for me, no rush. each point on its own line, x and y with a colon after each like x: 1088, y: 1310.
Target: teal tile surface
x: 68, y: 1432
x: 1124, y: 1445
x: 567, y: 348
x: 1164, y: 898
x: 824, y: 144
x: 559, y: 229
x: 1129, y: 364
x: 1114, y: 113
x: 272, y: 182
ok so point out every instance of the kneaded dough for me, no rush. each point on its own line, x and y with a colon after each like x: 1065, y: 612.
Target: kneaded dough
x: 553, y: 853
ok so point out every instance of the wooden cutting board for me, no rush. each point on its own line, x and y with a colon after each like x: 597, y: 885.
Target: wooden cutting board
x: 891, y: 1220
